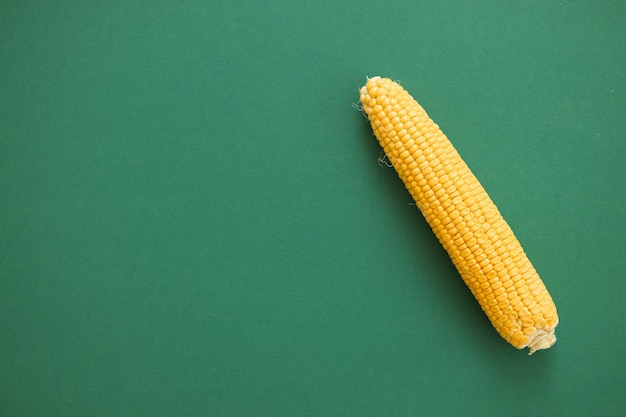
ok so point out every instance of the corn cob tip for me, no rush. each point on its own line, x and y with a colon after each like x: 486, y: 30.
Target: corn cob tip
x: 541, y: 341
x: 363, y: 89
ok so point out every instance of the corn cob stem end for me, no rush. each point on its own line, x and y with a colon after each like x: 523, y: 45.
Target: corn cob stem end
x: 541, y: 341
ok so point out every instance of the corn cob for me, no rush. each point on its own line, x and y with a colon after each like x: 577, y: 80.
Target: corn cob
x: 480, y: 243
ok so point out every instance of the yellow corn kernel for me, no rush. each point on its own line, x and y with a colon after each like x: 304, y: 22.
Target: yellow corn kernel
x: 480, y: 243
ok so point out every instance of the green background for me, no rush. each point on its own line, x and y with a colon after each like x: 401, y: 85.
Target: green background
x: 193, y: 221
